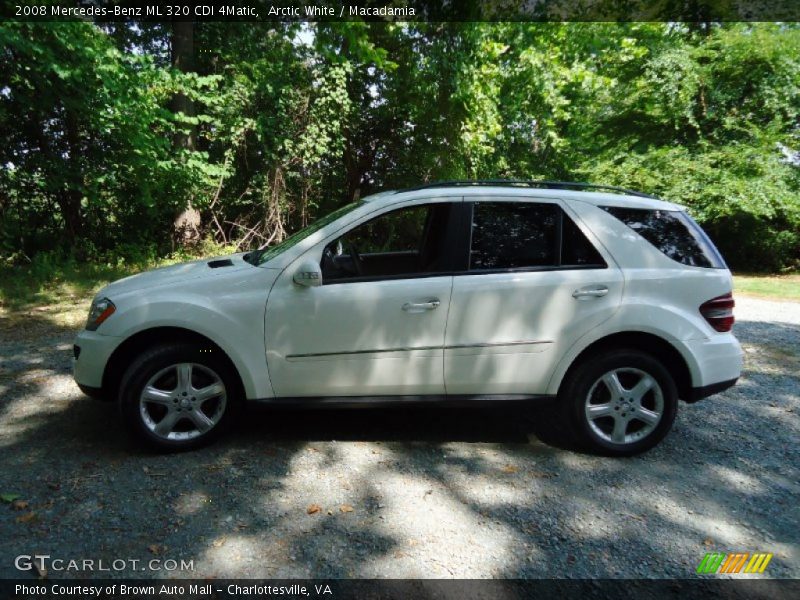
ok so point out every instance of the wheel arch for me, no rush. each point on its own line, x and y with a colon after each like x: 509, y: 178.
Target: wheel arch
x: 139, y: 341
x: 652, y: 344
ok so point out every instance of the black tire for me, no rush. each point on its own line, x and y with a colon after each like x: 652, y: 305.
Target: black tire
x: 205, y: 365
x: 597, y: 434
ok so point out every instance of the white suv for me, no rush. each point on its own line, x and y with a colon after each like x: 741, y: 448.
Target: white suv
x: 614, y: 303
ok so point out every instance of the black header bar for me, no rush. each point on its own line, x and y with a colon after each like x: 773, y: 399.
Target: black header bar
x: 403, y: 10
x: 400, y: 589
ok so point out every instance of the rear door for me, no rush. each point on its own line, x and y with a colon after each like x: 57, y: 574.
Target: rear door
x: 536, y: 280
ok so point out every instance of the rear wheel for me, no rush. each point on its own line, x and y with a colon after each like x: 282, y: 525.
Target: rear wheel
x: 620, y: 404
x: 178, y: 397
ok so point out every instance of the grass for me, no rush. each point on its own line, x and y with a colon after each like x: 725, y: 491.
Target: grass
x: 59, y: 291
x: 774, y: 287
x: 59, y: 294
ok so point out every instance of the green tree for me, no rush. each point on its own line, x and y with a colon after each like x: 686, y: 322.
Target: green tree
x: 277, y: 123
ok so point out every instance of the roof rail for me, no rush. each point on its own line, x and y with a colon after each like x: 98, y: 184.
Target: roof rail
x: 543, y: 183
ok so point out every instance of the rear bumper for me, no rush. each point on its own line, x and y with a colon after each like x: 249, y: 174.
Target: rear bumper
x: 713, y: 361
x: 698, y: 393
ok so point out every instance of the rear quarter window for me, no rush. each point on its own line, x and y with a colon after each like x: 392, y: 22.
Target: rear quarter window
x: 674, y: 233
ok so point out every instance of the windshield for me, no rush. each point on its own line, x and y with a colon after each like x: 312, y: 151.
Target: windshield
x: 259, y: 257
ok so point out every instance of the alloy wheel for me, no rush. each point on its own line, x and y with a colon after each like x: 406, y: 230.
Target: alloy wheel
x: 624, y: 406
x: 183, y: 401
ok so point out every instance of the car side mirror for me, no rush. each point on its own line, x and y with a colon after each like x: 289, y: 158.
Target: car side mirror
x: 308, y: 274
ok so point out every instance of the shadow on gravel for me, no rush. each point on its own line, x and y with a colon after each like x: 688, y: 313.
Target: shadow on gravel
x: 433, y: 492
x: 784, y: 335
x: 411, y: 424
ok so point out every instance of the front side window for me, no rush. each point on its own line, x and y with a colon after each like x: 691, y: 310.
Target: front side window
x: 674, y: 233
x: 401, y: 243
x: 527, y: 235
x: 259, y: 257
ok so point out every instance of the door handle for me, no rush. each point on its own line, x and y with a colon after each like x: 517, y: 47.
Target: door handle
x: 593, y: 292
x: 416, y: 307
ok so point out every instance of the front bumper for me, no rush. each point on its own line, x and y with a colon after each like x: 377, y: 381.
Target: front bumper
x: 91, y: 353
x: 92, y: 392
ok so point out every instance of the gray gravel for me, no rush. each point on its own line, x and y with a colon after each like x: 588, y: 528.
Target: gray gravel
x: 404, y: 493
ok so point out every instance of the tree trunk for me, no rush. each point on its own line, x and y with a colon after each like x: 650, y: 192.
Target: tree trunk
x: 69, y: 200
x: 353, y: 172
x: 187, y: 224
x: 183, y: 61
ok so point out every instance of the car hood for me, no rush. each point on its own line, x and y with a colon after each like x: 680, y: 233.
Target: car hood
x: 175, y: 274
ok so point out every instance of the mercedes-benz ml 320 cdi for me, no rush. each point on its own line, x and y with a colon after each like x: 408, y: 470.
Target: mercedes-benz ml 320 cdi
x: 613, y: 303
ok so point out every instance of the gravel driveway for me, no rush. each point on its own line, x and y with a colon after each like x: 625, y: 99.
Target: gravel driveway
x: 404, y: 493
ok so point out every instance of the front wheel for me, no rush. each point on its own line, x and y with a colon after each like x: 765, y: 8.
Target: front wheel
x: 620, y: 404
x: 178, y: 397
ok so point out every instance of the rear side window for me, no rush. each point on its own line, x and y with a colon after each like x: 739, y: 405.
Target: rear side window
x: 508, y: 235
x: 520, y: 235
x: 674, y: 233
x: 576, y: 250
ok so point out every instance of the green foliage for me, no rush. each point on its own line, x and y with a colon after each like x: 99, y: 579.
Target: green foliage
x: 56, y: 277
x: 291, y: 121
x: 88, y: 152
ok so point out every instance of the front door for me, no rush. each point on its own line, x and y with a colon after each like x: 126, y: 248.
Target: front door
x: 376, y: 325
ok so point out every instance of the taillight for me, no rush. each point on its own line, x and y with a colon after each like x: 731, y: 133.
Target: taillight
x: 719, y: 312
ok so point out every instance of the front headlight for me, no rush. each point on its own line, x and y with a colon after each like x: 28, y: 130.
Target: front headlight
x: 100, y: 310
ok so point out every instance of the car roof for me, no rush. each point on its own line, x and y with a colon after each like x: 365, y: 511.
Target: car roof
x: 626, y: 200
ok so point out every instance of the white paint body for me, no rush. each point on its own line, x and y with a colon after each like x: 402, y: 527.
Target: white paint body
x: 499, y: 333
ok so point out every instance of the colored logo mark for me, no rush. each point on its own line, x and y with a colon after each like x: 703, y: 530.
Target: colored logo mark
x: 735, y: 562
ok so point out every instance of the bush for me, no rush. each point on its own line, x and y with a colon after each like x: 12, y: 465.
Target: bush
x: 751, y: 244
